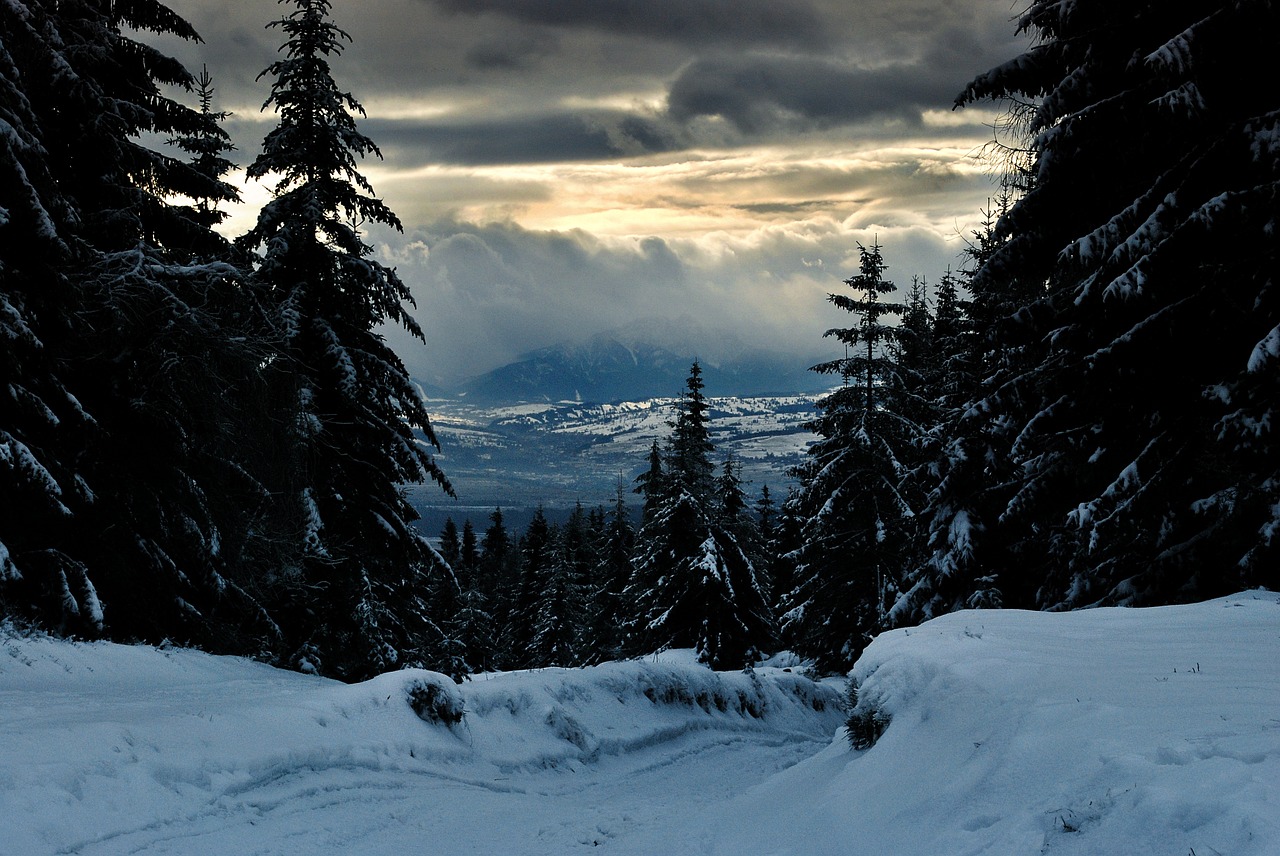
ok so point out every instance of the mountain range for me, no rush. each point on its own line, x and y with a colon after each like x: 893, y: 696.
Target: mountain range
x: 610, y: 368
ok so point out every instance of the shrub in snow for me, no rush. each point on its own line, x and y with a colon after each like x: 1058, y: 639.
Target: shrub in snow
x: 866, y: 720
x: 435, y: 699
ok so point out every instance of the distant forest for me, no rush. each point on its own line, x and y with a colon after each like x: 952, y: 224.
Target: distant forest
x: 204, y: 441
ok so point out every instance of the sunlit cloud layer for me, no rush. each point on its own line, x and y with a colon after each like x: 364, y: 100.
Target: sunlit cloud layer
x: 568, y: 167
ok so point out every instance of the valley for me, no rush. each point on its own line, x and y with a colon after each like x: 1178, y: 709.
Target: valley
x: 554, y: 454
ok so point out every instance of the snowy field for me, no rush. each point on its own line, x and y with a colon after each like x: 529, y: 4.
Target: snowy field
x: 1099, y: 732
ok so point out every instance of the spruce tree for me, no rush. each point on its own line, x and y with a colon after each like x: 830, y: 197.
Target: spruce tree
x: 450, y: 543
x: 207, y: 145
x: 693, y: 586
x: 139, y: 353
x: 495, y: 558
x: 689, y: 448
x: 469, y: 552
x: 965, y: 558
x: 651, y: 483
x: 784, y: 546
x: 953, y: 380
x: 732, y: 514
x: 614, y: 570
x: 536, y: 555
x: 352, y: 402
x: 1145, y: 470
x: 855, y: 490
x: 766, y: 510
x: 494, y: 585
x: 766, y: 559
x: 38, y: 484
x: 559, y: 609
x: 473, y: 623
x: 916, y: 351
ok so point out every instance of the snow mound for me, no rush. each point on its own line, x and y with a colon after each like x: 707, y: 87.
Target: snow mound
x: 554, y: 717
x: 1106, y: 731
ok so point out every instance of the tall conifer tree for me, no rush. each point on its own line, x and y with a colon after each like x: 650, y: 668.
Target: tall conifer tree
x: 1145, y: 469
x: 855, y: 495
x: 693, y: 585
x: 353, y: 404
x: 146, y: 345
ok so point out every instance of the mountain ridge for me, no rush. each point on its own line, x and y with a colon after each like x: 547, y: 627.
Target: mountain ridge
x: 611, y: 368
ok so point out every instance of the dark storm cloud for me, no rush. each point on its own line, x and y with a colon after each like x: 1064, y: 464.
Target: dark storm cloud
x: 697, y: 22
x: 512, y: 51
x: 548, y: 81
x: 759, y: 93
x: 555, y: 138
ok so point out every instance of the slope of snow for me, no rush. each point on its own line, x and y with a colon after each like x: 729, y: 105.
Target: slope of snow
x: 1107, y: 731
x: 1099, y: 732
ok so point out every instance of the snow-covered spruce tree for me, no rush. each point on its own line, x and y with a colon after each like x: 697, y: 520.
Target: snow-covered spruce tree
x: 362, y: 568
x: 562, y: 621
x: 689, y: 448
x: 916, y: 352
x: 732, y: 514
x: 146, y: 344
x: 559, y: 610
x: 854, y: 494
x: 613, y: 573
x: 445, y: 602
x: 583, y: 543
x: 487, y: 584
x: 693, y: 585
x: 473, y: 625
x: 1148, y: 468
x: 527, y: 579
x: 38, y: 484
x: 953, y: 381
x: 784, y: 545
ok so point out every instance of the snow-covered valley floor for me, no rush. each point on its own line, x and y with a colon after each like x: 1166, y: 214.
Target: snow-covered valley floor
x: 1098, y: 732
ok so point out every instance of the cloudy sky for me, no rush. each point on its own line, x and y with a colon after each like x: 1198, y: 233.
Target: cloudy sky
x: 568, y: 167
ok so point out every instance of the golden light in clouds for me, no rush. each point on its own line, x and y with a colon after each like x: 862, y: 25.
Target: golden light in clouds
x: 703, y: 192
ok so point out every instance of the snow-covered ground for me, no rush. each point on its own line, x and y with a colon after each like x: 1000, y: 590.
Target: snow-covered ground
x: 1098, y: 732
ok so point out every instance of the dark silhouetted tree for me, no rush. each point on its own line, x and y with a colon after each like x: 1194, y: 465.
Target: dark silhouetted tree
x: 1144, y: 468
x: 854, y: 495
x: 352, y: 402
x: 693, y: 585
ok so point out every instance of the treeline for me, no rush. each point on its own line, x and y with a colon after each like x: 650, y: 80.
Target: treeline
x: 699, y: 572
x: 201, y: 440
